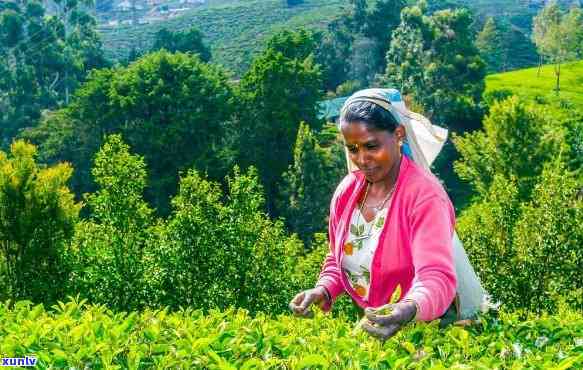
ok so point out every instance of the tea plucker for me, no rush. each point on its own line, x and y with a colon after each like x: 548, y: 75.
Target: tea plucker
x: 391, y: 226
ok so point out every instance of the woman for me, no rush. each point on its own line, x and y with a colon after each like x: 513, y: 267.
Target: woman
x: 392, y: 224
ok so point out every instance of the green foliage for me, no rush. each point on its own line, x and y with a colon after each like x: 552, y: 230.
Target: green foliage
x: 522, y: 232
x: 489, y: 42
x: 107, y: 251
x: 37, y: 217
x: 75, y: 335
x: 43, y: 59
x: 308, y: 184
x: 434, y: 59
x: 236, y: 31
x: 171, y: 108
x: 517, y: 140
x: 381, y: 20
x: 531, y: 86
x: 221, y: 251
x: 333, y: 54
x: 189, y: 41
x: 282, y: 89
x: 528, y: 252
x: 558, y: 36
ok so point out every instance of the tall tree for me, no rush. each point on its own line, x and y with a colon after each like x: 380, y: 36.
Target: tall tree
x: 490, y: 44
x: 172, y: 109
x: 189, y: 41
x: 558, y: 36
x: 281, y: 89
x: 333, y: 54
x: 309, y: 183
x: 434, y: 59
x: 381, y: 20
x: 37, y: 218
x: 108, y: 247
x: 43, y: 58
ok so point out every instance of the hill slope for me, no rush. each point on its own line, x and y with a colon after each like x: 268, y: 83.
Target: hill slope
x: 234, y: 31
x: 525, y: 83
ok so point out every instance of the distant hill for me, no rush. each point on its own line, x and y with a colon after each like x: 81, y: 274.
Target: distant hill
x: 237, y: 29
x: 234, y: 30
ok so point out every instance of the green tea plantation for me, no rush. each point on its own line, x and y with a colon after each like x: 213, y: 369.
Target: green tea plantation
x: 75, y: 335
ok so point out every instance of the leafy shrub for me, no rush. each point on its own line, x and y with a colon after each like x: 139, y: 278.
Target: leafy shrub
x: 308, y: 185
x: 517, y: 140
x: 223, y: 250
x: 107, y: 251
x: 75, y: 335
x: 522, y: 232
x: 37, y: 218
x: 492, y: 96
x: 528, y: 253
x: 307, y: 270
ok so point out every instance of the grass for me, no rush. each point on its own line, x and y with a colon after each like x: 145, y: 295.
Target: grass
x: 526, y: 84
x: 235, y: 31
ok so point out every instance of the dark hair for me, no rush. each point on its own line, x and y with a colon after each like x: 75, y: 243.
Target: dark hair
x: 371, y: 114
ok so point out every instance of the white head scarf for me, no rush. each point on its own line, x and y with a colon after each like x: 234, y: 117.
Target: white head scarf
x: 423, y: 140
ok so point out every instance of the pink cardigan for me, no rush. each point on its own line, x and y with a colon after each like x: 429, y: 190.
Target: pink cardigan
x: 415, y: 246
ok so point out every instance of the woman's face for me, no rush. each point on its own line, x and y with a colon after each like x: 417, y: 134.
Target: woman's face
x: 375, y: 152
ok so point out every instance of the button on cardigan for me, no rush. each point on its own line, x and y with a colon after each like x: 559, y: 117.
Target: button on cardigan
x: 415, y: 246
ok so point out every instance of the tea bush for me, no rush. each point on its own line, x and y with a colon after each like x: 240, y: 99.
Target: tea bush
x: 222, y: 249
x: 523, y: 233
x: 37, y: 218
x: 106, y: 255
x: 76, y: 335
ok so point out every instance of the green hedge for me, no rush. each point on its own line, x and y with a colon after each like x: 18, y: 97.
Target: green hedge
x: 75, y: 335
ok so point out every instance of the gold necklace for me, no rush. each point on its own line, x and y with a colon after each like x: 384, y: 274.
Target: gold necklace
x: 377, y: 208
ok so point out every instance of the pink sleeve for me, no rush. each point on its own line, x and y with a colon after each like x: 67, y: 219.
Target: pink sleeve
x: 434, y: 285
x: 330, y: 277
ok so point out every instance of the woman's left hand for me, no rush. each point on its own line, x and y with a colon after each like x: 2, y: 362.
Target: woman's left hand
x: 384, y: 326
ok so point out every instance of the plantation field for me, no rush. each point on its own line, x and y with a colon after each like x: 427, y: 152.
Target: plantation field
x: 525, y: 83
x: 234, y: 31
x: 76, y: 335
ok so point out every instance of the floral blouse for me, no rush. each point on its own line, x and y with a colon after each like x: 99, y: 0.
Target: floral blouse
x: 360, y: 247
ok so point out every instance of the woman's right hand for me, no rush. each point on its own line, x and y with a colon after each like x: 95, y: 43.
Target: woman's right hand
x: 301, y: 303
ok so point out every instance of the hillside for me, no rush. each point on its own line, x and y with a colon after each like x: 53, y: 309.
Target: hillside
x: 525, y: 83
x: 234, y: 30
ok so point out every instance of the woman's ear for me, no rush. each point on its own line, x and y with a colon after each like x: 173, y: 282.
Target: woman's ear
x: 400, y: 133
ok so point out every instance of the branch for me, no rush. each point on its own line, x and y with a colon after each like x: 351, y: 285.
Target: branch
x: 54, y: 82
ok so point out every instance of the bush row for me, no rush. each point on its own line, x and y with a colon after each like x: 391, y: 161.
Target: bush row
x: 77, y: 335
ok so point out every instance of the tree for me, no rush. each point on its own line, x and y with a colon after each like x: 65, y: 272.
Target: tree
x: 489, y: 43
x: 558, y: 36
x: 171, y: 108
x: 522, y: 230
x: 333, y: 54
x: 526, y: 251
x: 380, y: 23
x: 43, y: 58
x: 108, y: 248
x: 309, y: 183
x: 517, y: 140
x: 190, y: 41
x: 281, y: 89
x: 434, y: 59
x: 221, y: 249
x: 38, y: 215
